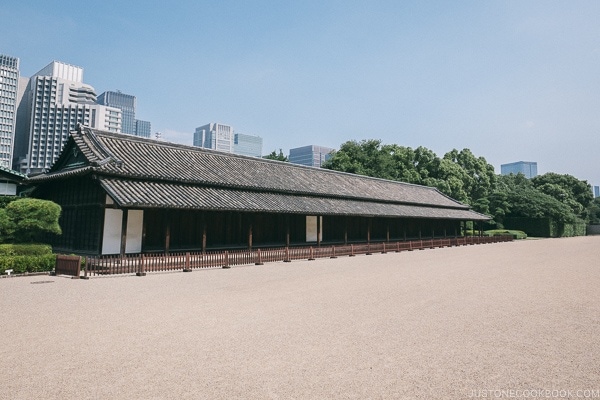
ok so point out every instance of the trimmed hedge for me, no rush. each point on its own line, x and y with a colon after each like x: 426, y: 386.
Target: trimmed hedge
x: 22, y: 264
x: 25, y: 249
x: 23, y: 258
x: 501, y: 232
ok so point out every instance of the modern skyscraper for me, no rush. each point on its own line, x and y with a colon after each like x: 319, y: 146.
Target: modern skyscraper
x: 126, y: 103
x: 596, y: 191
x: 312, y: 156
x: 9, y: 88
x: 53, y: 103
x: 247, y: 145
x: 214, y: 136
x: 143, y: 128
x: 527, y: 168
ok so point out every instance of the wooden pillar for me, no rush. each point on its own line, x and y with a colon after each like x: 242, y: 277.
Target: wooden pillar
x: 250, y: 236
x: 228, y: 227
x: 420, y: 223
x: 387, y: 233
x: 346, y: 230
x: 287, y: 230
x: 369, y: 225
x: 203, y: 232
x: 168, y: 234
x: 404, y: 232
x: 318, y: 230
x: 124, y: 232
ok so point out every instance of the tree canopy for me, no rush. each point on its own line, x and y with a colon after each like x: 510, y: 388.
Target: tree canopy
x: 26, y: 220
x: 469, y: 179
x: 276, y: 156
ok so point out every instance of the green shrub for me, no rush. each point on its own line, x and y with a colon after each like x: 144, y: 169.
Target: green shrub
x: 22, y: 264
x: 32, y: 218
x: 500, y: 232
x: 25, y: 249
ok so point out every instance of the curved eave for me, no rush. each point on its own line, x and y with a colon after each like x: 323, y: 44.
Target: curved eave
x: 63, y: 174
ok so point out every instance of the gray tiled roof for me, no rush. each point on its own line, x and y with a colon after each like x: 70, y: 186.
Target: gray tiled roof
x: 147, y: 173
x: 145, y: 194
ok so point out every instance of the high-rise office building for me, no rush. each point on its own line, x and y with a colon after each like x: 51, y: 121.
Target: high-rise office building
x: 527, y: 168
x: 596, y: 191
x: 312, y: 156
x: 9, y: 88
x: 54, y: 102
x: 128, y: 105
x: 124, y: 102
x: 247, y: 145
x: 214, y: 136
x: 143, y: 128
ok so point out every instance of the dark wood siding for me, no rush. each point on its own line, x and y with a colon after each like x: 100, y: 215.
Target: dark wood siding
x: 82, y: 202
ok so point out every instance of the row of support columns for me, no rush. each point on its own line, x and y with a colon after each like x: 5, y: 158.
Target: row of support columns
x: 167, y: 244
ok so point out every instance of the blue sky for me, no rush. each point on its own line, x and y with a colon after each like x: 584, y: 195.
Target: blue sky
x: 510, y: 80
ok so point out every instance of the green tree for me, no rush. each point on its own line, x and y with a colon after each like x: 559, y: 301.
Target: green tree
x: 275, y: 156
x: 478, y: 177
x: 594, y: 211
x: 516, y: 196
x: 567, y: 189
x: 32, y: 218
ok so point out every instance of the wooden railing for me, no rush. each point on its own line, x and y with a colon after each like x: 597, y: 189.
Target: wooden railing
x: 140, y: 264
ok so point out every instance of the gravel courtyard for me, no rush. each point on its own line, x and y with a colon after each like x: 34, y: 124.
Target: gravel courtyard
x: 446, y: 323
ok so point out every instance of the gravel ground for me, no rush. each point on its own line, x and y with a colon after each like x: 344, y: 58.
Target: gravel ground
x: 446, y: 323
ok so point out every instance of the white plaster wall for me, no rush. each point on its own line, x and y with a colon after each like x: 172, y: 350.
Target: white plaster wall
x: 311, y: 228
x: 135, y: 225
x: 111, y: 238
x: 9, y: 189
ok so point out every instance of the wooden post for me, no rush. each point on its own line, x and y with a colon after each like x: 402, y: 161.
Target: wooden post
x: 250, y: 237
x: 287, y: 231
x: 124, y: 232
x: 226, y: 260
x: 311, y: 256
x: 287, y: 255
x: 369, y: 224
x: 187, y: 267
x: 86, y: 267
x: 203, y: 235
x: 345, y: 230
x: 141, y: 268
x: 318, y: 231
x: 333, y: 252
x: 387, y: 234
x: 351, y: 251
x: 168, y: 234
x: 259, y: 258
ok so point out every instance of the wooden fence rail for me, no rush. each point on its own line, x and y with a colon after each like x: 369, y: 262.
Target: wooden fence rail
x: 140, y: 264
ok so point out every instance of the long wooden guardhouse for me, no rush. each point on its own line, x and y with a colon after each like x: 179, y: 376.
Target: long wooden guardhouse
x: 124, y: 194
